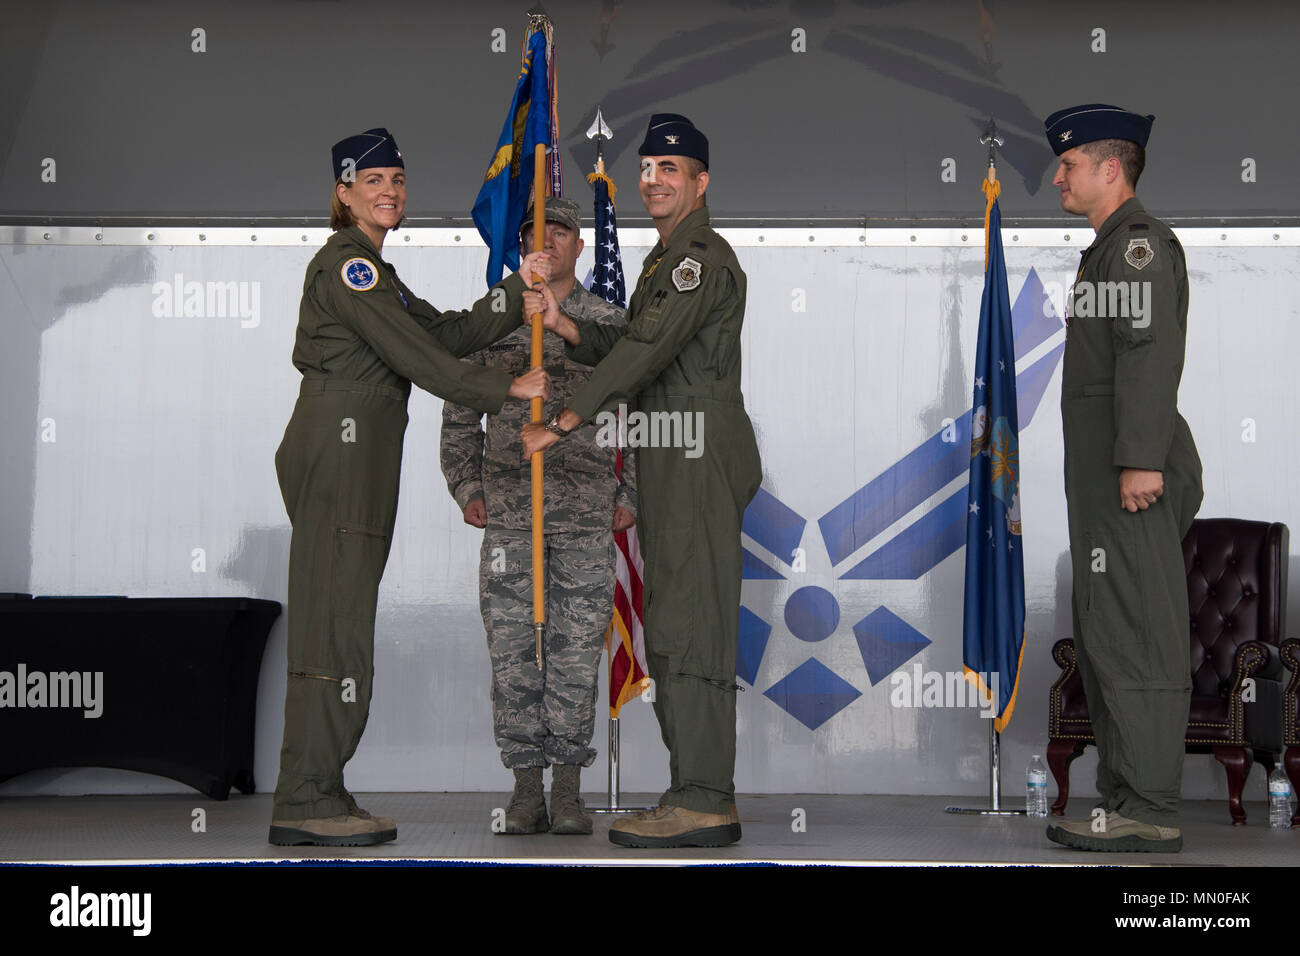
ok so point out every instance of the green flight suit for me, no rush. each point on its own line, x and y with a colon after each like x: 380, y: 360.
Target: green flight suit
x: 1124, y: 346
x: 359, y: 350
x: 680, y: 356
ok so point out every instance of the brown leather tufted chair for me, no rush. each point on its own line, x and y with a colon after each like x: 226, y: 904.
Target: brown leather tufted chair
x: 1291, y: 720
x: 1236, y: 589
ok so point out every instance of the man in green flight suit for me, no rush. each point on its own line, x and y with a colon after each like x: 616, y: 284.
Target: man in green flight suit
x: 697, y: 469
x: 1132, y: 482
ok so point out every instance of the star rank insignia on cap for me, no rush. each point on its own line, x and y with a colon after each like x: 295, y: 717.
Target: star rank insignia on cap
x: 687, y: 275
x: 359, y: 275
x: 1139, y: 253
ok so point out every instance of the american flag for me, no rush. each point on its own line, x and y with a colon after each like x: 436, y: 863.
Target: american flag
x: 607, y: 275
x: 625, y: 639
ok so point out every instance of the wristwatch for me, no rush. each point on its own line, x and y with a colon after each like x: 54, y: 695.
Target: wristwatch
x: 553, y: 426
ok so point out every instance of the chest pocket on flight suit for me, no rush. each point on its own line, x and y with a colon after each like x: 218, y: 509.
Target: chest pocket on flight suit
x: 645, y: 327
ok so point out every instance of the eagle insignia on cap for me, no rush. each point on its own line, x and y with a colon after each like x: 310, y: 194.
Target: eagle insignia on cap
x: 359, y: 275
x: 672, y: 140
x: 687, y: 275
x: 1065, y: 137
x: 1139, y: 253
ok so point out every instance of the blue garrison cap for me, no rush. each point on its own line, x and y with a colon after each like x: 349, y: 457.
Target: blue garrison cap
x: 1077, y: 125
x: 670, y: 134
x: 374, y: 147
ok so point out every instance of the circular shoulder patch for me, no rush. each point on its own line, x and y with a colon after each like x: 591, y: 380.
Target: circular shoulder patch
x: 359, y: 274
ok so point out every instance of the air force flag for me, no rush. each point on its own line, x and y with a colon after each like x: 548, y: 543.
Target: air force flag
x: 503, y: 198
x: 994, y: 626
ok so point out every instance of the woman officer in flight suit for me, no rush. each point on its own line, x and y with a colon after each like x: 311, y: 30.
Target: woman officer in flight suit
x: 363, y: 338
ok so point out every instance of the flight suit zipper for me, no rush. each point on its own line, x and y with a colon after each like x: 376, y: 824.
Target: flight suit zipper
x: 720, y: 684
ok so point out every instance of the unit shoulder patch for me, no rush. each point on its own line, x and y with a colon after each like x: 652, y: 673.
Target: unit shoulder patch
x: 359, y: 274
x: 1139, y: 253
x: 687, y: 275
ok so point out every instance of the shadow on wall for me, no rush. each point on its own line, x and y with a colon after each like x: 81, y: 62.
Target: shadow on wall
x: 37, y: 289
x: 261, y: 561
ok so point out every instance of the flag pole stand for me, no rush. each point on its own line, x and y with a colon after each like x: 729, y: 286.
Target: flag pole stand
x: 614, y: 793
x: 995, y: 807
x: 613, y: 772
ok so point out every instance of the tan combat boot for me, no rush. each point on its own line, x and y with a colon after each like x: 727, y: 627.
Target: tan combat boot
x: 666, y: 826
x: 1116, y: 834
x: 567, y: 808
x: 526, y: 812
x: 343, y: 830
x: 385, y: 823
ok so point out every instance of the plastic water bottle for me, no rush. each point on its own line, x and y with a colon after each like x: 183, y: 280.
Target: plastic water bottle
x: 1036, y: 788
x: 1279, y: 799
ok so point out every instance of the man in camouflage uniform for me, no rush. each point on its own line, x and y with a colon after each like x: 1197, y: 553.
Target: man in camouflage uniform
x: 544, y: 716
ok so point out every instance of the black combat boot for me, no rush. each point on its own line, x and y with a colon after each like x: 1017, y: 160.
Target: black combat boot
x: 527, y: 810
x: 567, y: 808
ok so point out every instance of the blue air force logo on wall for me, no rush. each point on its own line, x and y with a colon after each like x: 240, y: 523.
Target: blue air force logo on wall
x: 858, y: 545
x: 359, y: 274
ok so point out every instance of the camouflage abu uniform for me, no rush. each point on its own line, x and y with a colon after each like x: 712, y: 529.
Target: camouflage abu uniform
x: 547, y: 716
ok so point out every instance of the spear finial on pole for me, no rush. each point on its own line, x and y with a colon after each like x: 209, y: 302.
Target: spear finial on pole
x: 599, y: 132
x: 993, y: 141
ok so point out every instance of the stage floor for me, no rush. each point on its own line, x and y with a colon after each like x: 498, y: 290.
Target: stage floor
x: 888, y: 830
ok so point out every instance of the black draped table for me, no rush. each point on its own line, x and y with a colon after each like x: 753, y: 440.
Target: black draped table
x: 159, y: 685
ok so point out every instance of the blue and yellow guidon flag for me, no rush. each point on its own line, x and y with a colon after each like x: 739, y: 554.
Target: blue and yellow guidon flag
x: 993, y: 639
x: 503, y: 199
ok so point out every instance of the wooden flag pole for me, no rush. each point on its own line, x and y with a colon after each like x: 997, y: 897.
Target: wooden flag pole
x: 539, y: 547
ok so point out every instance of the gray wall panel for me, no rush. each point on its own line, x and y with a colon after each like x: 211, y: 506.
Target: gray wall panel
x: 856, y: 126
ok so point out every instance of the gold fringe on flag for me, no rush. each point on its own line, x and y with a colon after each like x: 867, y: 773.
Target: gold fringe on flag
x: 992, y: 189
x: 599, y: 176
